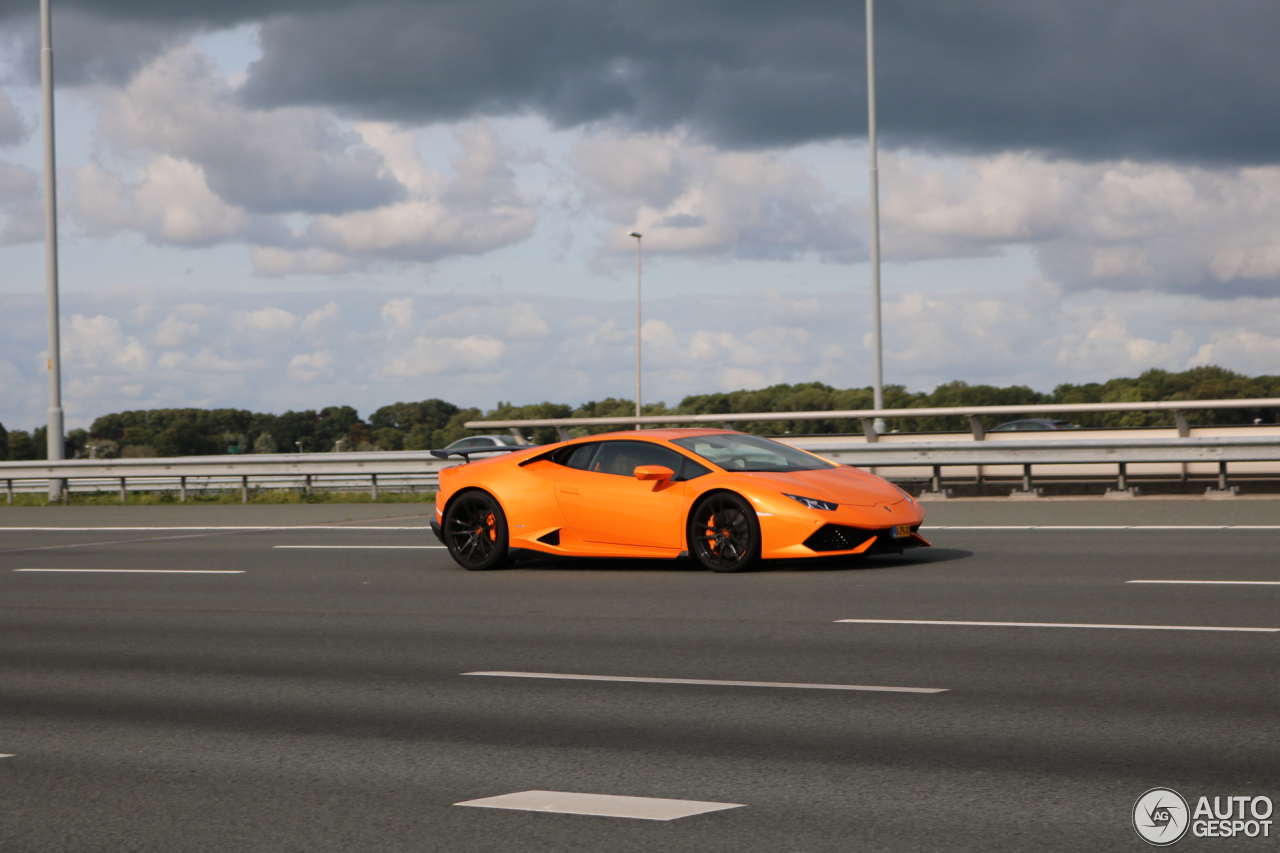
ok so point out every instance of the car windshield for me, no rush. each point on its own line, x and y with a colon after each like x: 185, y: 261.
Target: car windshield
x: 737, y: 452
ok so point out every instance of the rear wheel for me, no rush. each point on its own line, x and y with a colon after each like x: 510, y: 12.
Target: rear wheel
x: 724, y: 535
x: 475, y: 531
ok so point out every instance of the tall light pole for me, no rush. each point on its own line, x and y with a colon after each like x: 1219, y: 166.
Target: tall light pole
x: 637, y: 235
x: 876, y: 342
x: 54, y: 427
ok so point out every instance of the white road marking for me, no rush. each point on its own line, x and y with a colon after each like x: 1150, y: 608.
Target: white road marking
x: 224, y: 527
x: 6, y: 755
x: 146, y: 571
x: 1224, y: 583
x: 556, y: 675
x: 1106, y: 527
x: 600, y: 805
x: 208, y: 531
x: 1058, y: 625
x: 357, y: 547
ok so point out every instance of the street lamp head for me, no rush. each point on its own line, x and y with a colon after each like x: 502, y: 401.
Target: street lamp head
x: 635, y: 234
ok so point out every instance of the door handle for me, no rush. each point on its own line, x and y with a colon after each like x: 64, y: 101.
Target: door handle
x: 570, y: 491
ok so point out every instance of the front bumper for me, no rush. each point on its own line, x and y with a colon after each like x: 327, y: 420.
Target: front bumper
x: 833, y: 538
x: 435, y: 528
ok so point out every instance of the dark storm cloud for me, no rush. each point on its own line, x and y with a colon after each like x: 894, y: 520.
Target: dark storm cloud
x: 1179, y: 79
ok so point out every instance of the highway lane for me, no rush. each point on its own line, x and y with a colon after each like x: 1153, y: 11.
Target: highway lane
x: 317, y: 701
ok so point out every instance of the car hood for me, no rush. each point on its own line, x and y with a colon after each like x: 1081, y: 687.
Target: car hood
x: 843, y: 485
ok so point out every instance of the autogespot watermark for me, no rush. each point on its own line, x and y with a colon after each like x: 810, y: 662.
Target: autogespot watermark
x: 1162, y: 817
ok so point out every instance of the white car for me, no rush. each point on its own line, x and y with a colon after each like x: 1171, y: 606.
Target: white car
x: 479, y: 442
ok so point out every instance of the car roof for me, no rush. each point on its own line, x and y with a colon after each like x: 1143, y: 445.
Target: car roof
x: 1035, y: 421
x: 669, y: 434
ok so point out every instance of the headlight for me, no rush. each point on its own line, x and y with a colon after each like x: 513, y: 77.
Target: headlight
x: 814, y: 503
x: 905, y: 493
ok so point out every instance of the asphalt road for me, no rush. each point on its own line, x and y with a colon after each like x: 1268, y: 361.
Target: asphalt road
x: 315, y: 700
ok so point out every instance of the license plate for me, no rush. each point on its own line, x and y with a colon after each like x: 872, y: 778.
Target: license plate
x: 901, y: 530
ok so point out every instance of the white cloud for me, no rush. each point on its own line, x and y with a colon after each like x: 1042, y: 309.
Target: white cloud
x: 478, y: 210
x: 99, y: 343
x: 515, y: 321
x: 397, y: 315
x: 208, y: 361
x: 690, y: 198
x: 321, y: 320
x: 173, y: 332
x: 290, y: 350
x: 267, y: 321
x: 1114, y: 224
x: 267, y: 161
x: 274, y: 261
x: 21, y: 209
x: 432, y: 356
x: 12, y: 128
x: 310, y: 194
x: 170, y: 202
x: 311, y: 366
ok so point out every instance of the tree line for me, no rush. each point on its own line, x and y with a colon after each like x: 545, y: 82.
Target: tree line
x: 435, y: 423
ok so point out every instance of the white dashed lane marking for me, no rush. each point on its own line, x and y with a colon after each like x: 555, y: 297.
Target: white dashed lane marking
x: 222, y: 527
x: 145, y: 571
x: 1056, y: 625
x: 640, y: 680
x: 1222, y: 583
x: 368, y: 547
x: 600, y: 805
x: 1106, y: 527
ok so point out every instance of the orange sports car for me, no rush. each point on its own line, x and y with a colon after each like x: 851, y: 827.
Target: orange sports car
x: 724, y: 498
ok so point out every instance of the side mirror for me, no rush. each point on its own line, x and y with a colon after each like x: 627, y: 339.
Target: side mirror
x: 653, y: 472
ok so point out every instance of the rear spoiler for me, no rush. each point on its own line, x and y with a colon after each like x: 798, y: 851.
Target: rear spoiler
x: 467, y: 452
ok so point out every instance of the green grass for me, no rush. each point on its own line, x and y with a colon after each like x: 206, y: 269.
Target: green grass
x: 256, y: 496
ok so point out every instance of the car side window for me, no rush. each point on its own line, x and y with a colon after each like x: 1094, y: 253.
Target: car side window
x: 578, y: 456
x: 623, y: 457
x: 690, y: 471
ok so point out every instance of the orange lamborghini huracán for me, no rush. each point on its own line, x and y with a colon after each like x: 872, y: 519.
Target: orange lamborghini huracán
x: 724, y: 498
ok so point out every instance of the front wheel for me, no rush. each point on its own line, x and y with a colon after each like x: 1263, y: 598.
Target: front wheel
x: 724, y: 535
x: 475, y: 531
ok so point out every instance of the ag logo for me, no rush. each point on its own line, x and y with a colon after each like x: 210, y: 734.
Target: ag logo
x: 1160, y: 817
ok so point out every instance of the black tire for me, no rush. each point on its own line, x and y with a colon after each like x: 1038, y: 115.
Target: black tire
x: 724, y: 534
x: 475, y: 531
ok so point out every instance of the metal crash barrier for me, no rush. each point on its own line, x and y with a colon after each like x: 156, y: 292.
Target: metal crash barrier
x: 408, y: 470
x: 1180, y: 449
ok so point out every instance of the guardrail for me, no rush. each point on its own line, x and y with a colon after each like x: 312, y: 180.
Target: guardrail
x: 421, y: 469
x: 416, y: 468
x: 1121, y: 453
x: 868, y: 416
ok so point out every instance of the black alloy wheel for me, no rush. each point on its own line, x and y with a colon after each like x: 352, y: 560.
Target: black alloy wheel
x: 475, y: 531
x: 724, y: 535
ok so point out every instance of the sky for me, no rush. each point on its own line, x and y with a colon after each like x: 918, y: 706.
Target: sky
x: 275, y: 204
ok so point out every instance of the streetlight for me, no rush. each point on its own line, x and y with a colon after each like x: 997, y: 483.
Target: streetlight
x: 877, y: 390
x: 53, y: 430
x: 637, y: 235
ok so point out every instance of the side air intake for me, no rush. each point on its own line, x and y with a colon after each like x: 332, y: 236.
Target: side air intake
x: 552, y: 538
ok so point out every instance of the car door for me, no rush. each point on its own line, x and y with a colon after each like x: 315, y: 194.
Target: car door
x: 606, y: 503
